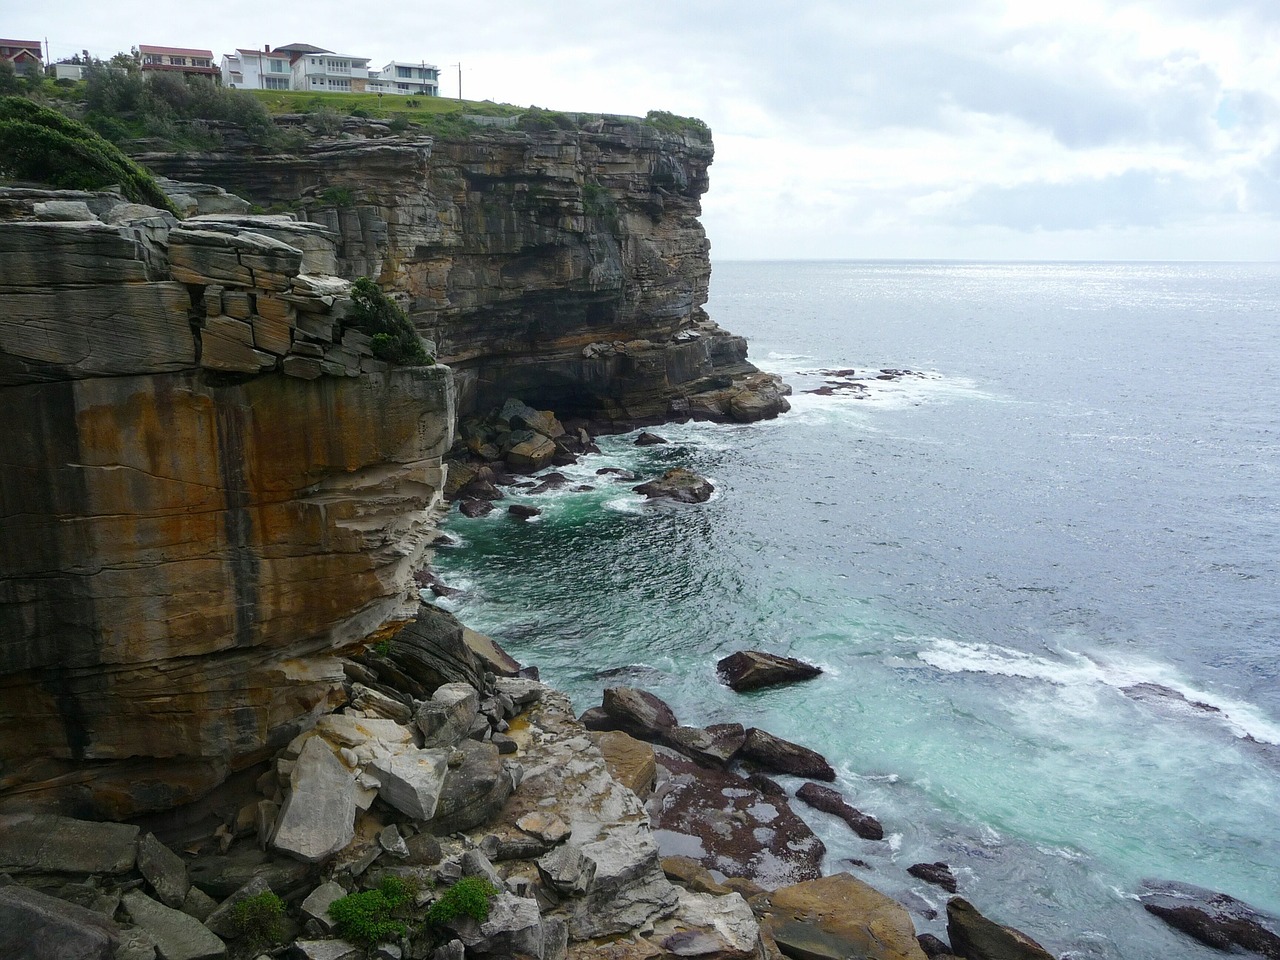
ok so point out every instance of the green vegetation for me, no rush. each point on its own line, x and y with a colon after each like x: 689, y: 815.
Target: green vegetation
x: 393, y: 336
x: 373, y: 916
x: 535, y: 120
x: 684, y: 126
x: 336, y: 197
x: 597, y: 201
x: 382, y: 648
x: 259, y: 921
x: 44, y: 146
x: 468, y: 897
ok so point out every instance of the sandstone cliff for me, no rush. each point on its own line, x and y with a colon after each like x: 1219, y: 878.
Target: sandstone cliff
x: 209, y: 487
x: 566, y: 267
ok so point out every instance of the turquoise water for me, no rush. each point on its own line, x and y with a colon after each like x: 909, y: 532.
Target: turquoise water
x: 1081, y: 493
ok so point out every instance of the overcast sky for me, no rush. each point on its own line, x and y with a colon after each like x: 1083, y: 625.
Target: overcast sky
x: 1011, y: 129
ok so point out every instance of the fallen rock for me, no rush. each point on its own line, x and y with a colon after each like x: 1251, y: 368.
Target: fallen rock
x: 447, y: 716
x: 1215, y: 919
x: 329, y: 950
x: 412, y: 781
x: 523, y: 512
x: 432, y: 651
x: 938, y: 874
x: 473, y: 508
x: 513, y: 928
x: 863, y: 824
x: 222, y: 874
x: 44, y: 843
x: 679, y: 484
x: 718, y: 819
x: 531, y: 455
x: 473, y: 792
x: 496, y: 660
x: 934, y: 948
x: 690, y: 874
x: 638, y: 712
x: 176, y: 935
x: 164, y: 870
x: 711, y: 747
x: 753, y: 669
x: 35, y: 926
x: 782, y: 756
x: 840, y: 916
x: 316, y: 906
x: 223, y: 919
x: 711, y: 927
x: 975, y: 937
x: 318, y: 817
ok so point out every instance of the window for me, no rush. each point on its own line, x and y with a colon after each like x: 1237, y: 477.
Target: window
x: 275, y: 83
x: 277, y: 66
x: 178, y: 61
x: 402, y: 87
x: 404, y: 72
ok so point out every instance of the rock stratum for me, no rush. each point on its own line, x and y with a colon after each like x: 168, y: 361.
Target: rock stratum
x: 210, y: 488
x: 566, y: 267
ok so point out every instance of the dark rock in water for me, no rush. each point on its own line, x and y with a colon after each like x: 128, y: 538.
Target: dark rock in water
x: 933, y: 947
x: 474, y: 508
x: 829, y: 801
x: 1159, y: 694
x: 638, y: 712
x: 444, y: 540
x: 782, y: 756
x: 616, y: 472
x: 769, y: 788
x: 480, y: 490
x: 647, y: 439
x: 523, y: 512
x: 1215, y: 919
x: 679, y: 484
x: 753, y: 669
x: 821, y: 391
x: 583, y: 488
x: 720, y: 820
x: 936, y: 873
x: 975, y: 937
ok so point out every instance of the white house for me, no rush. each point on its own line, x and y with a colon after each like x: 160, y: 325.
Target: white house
x: 323, y: 70
x: 263, y: 69
x: 411, y: 79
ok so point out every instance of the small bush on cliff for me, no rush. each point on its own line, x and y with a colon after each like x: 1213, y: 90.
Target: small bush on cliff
x: 673, y: 123
x: 42, y: 145
x: 469, y: 897
x: 336, y: 197
x: 537, y: 120
x: 393, y: 336
x: 259, y: 921
x: 372, y: 917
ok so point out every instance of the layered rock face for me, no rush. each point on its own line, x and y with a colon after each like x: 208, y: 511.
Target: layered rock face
x: 567, y: 267
x: 209, y: 487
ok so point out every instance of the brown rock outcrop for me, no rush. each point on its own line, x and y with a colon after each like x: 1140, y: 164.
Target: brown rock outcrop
x: 840, y: 916
x: 567, y: 267
x: 187, y: 532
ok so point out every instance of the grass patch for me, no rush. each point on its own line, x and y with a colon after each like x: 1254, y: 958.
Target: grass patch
x: 259, y: 921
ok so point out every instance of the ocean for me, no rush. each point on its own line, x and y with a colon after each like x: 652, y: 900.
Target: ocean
x: 1039, y: 566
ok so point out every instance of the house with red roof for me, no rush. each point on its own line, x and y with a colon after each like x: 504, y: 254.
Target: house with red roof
x: 25, y: 55
x: 184, y: 60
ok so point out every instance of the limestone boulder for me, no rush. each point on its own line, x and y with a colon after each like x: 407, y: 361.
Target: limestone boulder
x: 976, y: 937
x: 754, y: 669
x: 840, y: 916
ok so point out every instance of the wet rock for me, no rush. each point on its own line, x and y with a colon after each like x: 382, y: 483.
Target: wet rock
x: 176, y: 935
x: 647, y: 439
x: 164, y: 870
x: 840, y: 916
x: 44, y: 843
x: 782, y: 756
x: 35, y: 926
x: 597, y: 719
x: 934, y: 948
x: 975, y: 937
x: 938, y: 874
x: 679, y: 484
x: 476, y: 864
x: 1215, y: 919
x: 753, y: 669
x: 481, y: 489
x: 863, y: 824
x: 523, y: 512
x: 618, y: 473
x: 638, y: 712
x: 718, y: 819
x: 318, y: 816
x: 475, y: 508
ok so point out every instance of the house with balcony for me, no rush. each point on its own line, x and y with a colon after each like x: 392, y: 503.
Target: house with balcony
x: 25, y: 55
x: 264, y: 69
x: 318, y: 70
x: 408, y: 79
x: 185, y: 60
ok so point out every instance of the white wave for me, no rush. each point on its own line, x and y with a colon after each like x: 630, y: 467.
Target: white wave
x: 631, y: 504
x: 1080, y: 672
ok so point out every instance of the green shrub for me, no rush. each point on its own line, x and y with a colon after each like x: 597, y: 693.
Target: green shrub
x: 259, y: 921
x: 468, y: 897
x: 328, y: 122
x: 44, y: 146
x: 597, y: 201
x: 672, y: 123
x: 392, y: 335
x: 360, y: 112
x: 370, y: 917
x: 336, y: 197
x: 399, y: 124
x: 536, y: 120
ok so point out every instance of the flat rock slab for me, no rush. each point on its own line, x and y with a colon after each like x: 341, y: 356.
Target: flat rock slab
x: 43, y: 843
x: 840, y: 916
x: 753, y: 669
x: 34, y: 926
x: 718, y: 819
x: 176, y: 935
x: 976, y: 937
x: 1215, y: 919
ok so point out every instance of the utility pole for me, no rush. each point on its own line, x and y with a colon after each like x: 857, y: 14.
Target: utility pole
x: 459, y: 66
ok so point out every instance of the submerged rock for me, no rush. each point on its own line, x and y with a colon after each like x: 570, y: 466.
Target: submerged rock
x: 936, y: 873
x: 679, y: 484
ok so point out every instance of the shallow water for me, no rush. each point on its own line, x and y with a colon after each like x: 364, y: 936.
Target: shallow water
x: 1079, y: 494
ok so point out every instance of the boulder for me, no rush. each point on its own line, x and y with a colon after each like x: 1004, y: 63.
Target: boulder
x: 223, y: 919
x: 328, y: 950
x: 531, y: 455
x: 474, y: 791
x: 840, y: 916
x: 975, y: 937
x: 221, y: 874
x: 316, y: 905
x: 679, y: 484
x: 513, y: 928
x: 630, y: 761
x: 164, y: 870
x: 638, y: 712
x: 493, y: 658
x: 318, y: 816
x: 705, y: 746
x: 446, y: 717
x: 647, y: 439
x: 938, y: 874
x: 176, y: 935
x: 412, y: 781
x: 1215, y: 919
x: 45, y: 843
x: 520, y: 416
x: 710, y: 927
x: 474, y: 509
x: 523, y: 512
x: 431, y: 650
x: 753, y: 669
x: 692, y: 875
x: 718, y: 819
x: 35, y: 926
x: 782, y: 756
x: 863, y: 824
x: 934, y: 948
x: 566, y: 871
